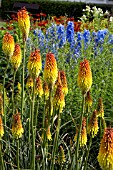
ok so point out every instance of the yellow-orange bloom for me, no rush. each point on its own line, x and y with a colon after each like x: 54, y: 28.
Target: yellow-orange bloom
x: 19, y: 88
x: 58, y: 100
x: 46, y: 90
x: 24, y: 22
x: 88, y: 100
x: 39, y: 88
x: 93, y: 124
x: 48, y: 133
x: 50, y: 69
x: 84, y: 76
x: 83, y: 134
x: 16, y: 58
x: 17, y: 128
x: 1, y: 128
x: 105, y: 156
x: 35, y: 64
x: 1, y: 105
x: 29, y: 83
x: 58, y: 81
x: 64, y: 82
x: 61, y: 156
x: 8, y: 44
x: 100, y: 108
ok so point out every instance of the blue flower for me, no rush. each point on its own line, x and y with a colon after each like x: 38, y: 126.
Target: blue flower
x: 61, y: 35
x: 70, y: 31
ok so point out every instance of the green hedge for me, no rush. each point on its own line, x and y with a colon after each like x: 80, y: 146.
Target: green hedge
x: 55, y: 8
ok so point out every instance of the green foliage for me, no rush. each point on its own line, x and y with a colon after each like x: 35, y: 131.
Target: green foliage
x: 55, y: 8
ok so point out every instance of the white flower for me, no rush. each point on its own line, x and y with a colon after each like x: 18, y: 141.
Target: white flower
x: 83, y: 18
x: 106, y: 13
x: 94, y: 8
x: 88, y: 8
x: 111, y: 19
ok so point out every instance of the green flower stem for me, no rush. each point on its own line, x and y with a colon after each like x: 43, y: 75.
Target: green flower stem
x: 23, y: 69
x: 37, y: 106
x: 4, y: 95
x: 87, y: 113
x: 18, y: 160
x: 100, y: 122
x: 44, y: 113
x: 1, y: 157
x: 13, y: 91
x: 29, y: 126
x: 50, y: 103
x: 87, y: 154
x: 55, y: 144
x: 32, y: 127
x: 44, y: 137
x: 79, y: 132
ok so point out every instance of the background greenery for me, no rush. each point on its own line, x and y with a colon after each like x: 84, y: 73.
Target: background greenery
x: 55, y: 8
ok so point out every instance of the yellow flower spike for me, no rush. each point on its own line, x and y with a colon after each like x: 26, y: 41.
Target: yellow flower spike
x: 46, y: 90
x: 16, y: 58
x: 24, y: 22
x: 48, y: 133
x: 100, y: 108
x: 105, y: 156
x: 34, y: 64
x: 29, y: 83
x: 1, y: 128
x: 19, y: 88
x: 50, y: 69
x: 39, y: 88
x: 17, y: 128
x: 83, y: 135
x: 58, y: 81
x: 58, y: 100
x: 64, y: 82
x: 93, y: 125
x: 84, y: 77
x: 61, y: 156
x: 88, y: 100
x: 8, y: 45
x: 1, y: 105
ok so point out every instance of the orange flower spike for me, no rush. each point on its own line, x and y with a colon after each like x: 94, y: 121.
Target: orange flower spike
x: 17, y: 128
x: 8, y: 44
x: 58, y: 81
x: 34, y: 64
x: 24, y: 22
x: 29, y: 83
x: 48, y: 133
x: 50, y: 69
x: 39, y: 88
x: 105, y: 156
x: 83, y: 135
x: 84, y: 76
x: 93, y: 125
x: 61, y: 156
x: 58, y: 101
x: 100, y: 108
x: 16, y: 58
x: 64, y: 82
x: 88, y: 100
x: 45, y: 90
x: 1, y: 128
